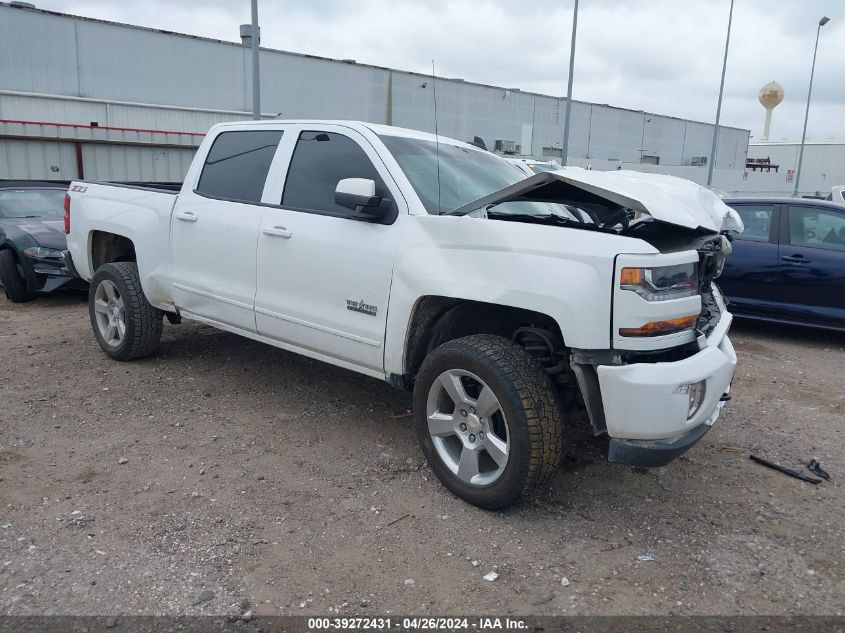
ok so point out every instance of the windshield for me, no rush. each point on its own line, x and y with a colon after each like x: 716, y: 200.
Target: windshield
x: 464, y: 175
x: 47, y: 204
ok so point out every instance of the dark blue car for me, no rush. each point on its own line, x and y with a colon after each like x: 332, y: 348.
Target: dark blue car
x: 789, y: 263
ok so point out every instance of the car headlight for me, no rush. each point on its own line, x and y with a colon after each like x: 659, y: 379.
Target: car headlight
x: 41, y: 252
x: 661, y: 283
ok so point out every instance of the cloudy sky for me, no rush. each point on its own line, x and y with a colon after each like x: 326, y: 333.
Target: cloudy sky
x: 659, y: 55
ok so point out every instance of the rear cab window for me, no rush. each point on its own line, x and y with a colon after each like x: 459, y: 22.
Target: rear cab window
x: 237, y: 165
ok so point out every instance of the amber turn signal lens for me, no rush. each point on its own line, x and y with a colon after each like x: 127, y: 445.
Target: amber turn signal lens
x: 631, y: 276
x: 659, y: 328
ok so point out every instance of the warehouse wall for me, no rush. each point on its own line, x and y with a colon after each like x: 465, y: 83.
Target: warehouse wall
x: 823, y: 165
x: 193, y: 82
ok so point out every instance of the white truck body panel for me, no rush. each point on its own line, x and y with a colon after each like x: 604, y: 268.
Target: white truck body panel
x: 345, y: 291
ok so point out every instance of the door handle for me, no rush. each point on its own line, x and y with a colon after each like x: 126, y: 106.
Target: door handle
x: 276, y: 231
x: 796, y: 259
x: 187, y: 216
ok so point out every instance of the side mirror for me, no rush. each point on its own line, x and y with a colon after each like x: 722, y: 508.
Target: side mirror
x: 359, y: 194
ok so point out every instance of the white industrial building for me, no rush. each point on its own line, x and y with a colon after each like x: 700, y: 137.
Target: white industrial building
x: 81, y: 97
x: 822, y: 167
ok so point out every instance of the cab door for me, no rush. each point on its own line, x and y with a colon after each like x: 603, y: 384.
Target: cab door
x: 324, y: 277
x: 214, y: 228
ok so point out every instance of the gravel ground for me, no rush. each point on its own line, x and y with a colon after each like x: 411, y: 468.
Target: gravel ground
x: 225, y: 476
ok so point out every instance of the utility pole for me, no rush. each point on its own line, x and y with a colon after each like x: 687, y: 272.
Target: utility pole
x: 564, y: 150
x: 256, y: 78
x: 712, y: 162
x: 822, y: 22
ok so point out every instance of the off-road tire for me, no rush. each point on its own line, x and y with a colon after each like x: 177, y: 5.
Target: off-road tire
x: 143, y: 321
x: 535, y: 422
x: 10, y: 277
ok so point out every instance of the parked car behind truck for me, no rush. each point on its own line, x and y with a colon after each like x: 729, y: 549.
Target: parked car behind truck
x: 510, y: 307
x: 32, y: 239
x: 788, y: 266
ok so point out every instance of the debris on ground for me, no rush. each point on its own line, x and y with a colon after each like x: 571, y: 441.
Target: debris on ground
x: 645, y: 557
x: 816, y: 468
x: 122, y: 460
x: 543, y: 600
x: 205, y: 596
x: 410, y: 581
x: 490, y: 576
x: 564, y: 581
x: 785, y: 470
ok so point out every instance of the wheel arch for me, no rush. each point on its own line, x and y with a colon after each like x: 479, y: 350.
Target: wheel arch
x: 438, y: 319
x: 106, y: 247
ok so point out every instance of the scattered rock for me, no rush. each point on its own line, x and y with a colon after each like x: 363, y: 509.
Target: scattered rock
x: 122, y: 460
x: 490, y: 576
x: 410, y: 581
x: 564, y: 581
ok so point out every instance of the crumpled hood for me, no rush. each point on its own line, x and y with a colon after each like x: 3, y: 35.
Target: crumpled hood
x: 665, y: 198
x: 47, y: 233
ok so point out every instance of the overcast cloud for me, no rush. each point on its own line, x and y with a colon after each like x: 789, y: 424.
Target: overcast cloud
x: 664, y: 56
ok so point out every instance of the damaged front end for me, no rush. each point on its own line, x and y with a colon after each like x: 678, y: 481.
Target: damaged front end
x: 666, y: 374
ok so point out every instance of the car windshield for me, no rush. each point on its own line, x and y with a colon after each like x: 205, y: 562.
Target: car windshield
x: 46, y: 204
x: 464, y: 175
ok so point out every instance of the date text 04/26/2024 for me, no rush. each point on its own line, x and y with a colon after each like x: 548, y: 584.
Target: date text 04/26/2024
x: 417, y: 624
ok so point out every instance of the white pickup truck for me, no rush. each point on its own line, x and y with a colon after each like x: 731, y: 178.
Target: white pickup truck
x: 511, y: 307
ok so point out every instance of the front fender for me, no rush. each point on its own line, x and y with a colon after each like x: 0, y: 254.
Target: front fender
x: 565, y: 273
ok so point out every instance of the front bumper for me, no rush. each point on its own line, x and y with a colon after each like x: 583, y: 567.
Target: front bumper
x: 646, y: 405
x: 47, y: 274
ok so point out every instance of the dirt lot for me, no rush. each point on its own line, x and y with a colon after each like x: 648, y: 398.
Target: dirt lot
x: 286, y: 486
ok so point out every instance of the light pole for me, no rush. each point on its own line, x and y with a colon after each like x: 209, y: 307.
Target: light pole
x: 719, y: 104
x: 251, y: 35
x: 822, y: 22
x: 564, y: 149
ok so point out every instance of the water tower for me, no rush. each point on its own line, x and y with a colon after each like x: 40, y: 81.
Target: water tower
x: 770, y: 96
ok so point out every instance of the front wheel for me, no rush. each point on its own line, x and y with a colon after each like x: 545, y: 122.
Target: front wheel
x: 125, y: 324
x: 487, y: 419
x: 12, y: 277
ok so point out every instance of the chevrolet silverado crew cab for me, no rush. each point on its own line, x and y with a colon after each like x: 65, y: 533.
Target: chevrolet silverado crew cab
x: 511, y: 307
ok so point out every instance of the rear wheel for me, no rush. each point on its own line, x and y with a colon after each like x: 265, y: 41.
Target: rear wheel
x: 487, y: 420
x: 12, y: 277
x: 125, y: 324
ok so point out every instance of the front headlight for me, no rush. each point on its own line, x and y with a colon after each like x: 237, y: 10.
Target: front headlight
x: 661, y: 282
x: 41, y: 252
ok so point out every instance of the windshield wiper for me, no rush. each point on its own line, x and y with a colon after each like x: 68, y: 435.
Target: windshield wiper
x: 550, y: 218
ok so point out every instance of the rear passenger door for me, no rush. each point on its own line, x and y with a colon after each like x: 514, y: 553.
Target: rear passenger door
x: 215, y: 225
x: 323, y: 277
x: 750, y: 277
x: 812, y: 264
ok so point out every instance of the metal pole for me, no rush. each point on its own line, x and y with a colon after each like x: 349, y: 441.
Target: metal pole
x: 564, y: 152
x: 256, y: 80
x: 719, y: 105
x: 822, y: 22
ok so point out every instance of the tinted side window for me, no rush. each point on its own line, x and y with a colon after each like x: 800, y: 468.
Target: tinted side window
x: 320, y: 160
x: 816, y: 228
x: 237, y: 165
x: 757, y: 219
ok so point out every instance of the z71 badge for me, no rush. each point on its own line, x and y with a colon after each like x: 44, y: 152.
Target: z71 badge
x: 360, y: 306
